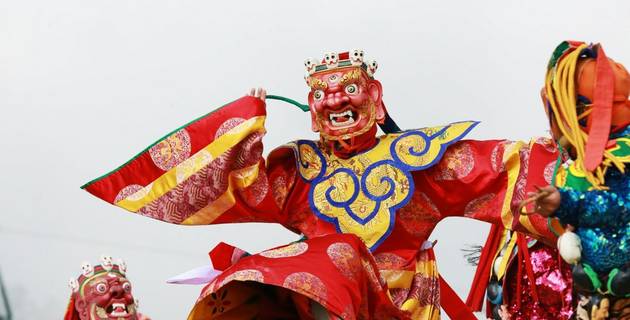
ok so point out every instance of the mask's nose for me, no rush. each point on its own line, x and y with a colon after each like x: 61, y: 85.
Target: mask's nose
x: 336, y: 100
x: 117, y: 291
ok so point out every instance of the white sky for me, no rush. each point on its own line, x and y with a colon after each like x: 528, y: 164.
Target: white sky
x: 85, y: 85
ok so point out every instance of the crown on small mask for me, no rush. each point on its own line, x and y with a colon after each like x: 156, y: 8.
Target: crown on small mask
x: 334, y: 60
x: 88, y: 270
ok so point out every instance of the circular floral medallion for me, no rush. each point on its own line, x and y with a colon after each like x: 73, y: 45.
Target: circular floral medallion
x: 292, y: 250
x: 345, y: 258
x: 228, y: 125
x: 307, y: 284
x: 171, y: 151
x: 280, y: 190
x: 133, y: 192
x: 387, y: 260
x: 457, y: 163
x: 257, y: 191
x: 243, y: 275
x: 481, y: 207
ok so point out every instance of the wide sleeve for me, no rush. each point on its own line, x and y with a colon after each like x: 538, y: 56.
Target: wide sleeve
x: 486, y: 180
x: 208, y: 171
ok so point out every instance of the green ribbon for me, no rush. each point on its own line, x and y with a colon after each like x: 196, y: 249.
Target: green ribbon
x: 302, y: 107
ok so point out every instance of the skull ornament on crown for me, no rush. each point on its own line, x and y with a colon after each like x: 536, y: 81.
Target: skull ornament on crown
x: 344, y: 100
x: 101, y: 292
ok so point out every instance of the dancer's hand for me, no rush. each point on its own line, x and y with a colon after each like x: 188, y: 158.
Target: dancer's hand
x: 546, y: 200
x: 259, y: 93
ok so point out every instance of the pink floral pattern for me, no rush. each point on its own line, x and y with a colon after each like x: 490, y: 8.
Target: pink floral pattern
x: 292, y: 250
x: 457, y: 163
x: 345, y: 258
x: 243, y: 275
x: 389, y: 261
x: 426, y: 290
x: 171, y: 151
x: 484, y: 206
x: 306, y: 284
x: 255, y: 193
x: 127, y: 191
x: 280, y: 190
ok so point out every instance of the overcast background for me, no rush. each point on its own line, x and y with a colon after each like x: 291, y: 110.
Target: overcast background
x: 85, y: 85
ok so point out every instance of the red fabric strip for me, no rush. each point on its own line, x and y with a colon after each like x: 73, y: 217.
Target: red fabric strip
x: 71, y: 313
x: 480, y: 281
x: 519, y: 277
x: 522, y: 246
x: 452, y: 304
x: 601, y: 117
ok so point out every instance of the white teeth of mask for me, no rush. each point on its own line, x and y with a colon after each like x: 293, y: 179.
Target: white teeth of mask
x: 120, y: 310
x: 334, y: 116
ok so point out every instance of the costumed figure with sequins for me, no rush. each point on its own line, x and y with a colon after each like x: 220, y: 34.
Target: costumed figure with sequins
x: 102, y: 292
x: 586, y: 98
x: 364, y: 204
x: 507, y: 262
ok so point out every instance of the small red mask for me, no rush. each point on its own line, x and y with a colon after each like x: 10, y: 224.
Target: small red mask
x: 102, y: 293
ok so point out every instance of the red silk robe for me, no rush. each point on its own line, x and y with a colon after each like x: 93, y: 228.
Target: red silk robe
x: 365, y: 218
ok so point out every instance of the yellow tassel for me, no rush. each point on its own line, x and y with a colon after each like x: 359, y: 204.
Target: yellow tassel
x: 560, y: 90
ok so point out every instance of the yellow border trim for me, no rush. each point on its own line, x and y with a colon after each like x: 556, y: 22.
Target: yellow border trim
x: 525, y: 222
x: 238, y: 180
x: 512, y: 162
x: 507, y: 255
x: 398, y: 278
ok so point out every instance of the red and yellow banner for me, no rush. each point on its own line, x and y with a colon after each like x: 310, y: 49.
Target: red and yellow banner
x: 177, y: 166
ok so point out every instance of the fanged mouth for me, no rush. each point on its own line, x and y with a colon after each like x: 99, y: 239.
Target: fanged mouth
x: 342, y: 119
x: 115, y: 311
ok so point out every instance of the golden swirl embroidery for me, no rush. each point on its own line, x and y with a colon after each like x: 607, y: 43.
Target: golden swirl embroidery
x: 351, y: 76
x: 360, y: 195
x: 316, y: 83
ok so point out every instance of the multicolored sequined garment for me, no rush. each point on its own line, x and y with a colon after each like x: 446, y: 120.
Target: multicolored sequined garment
x: 602, y: 222
x: 366, y: 218
x: 602, y: 217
